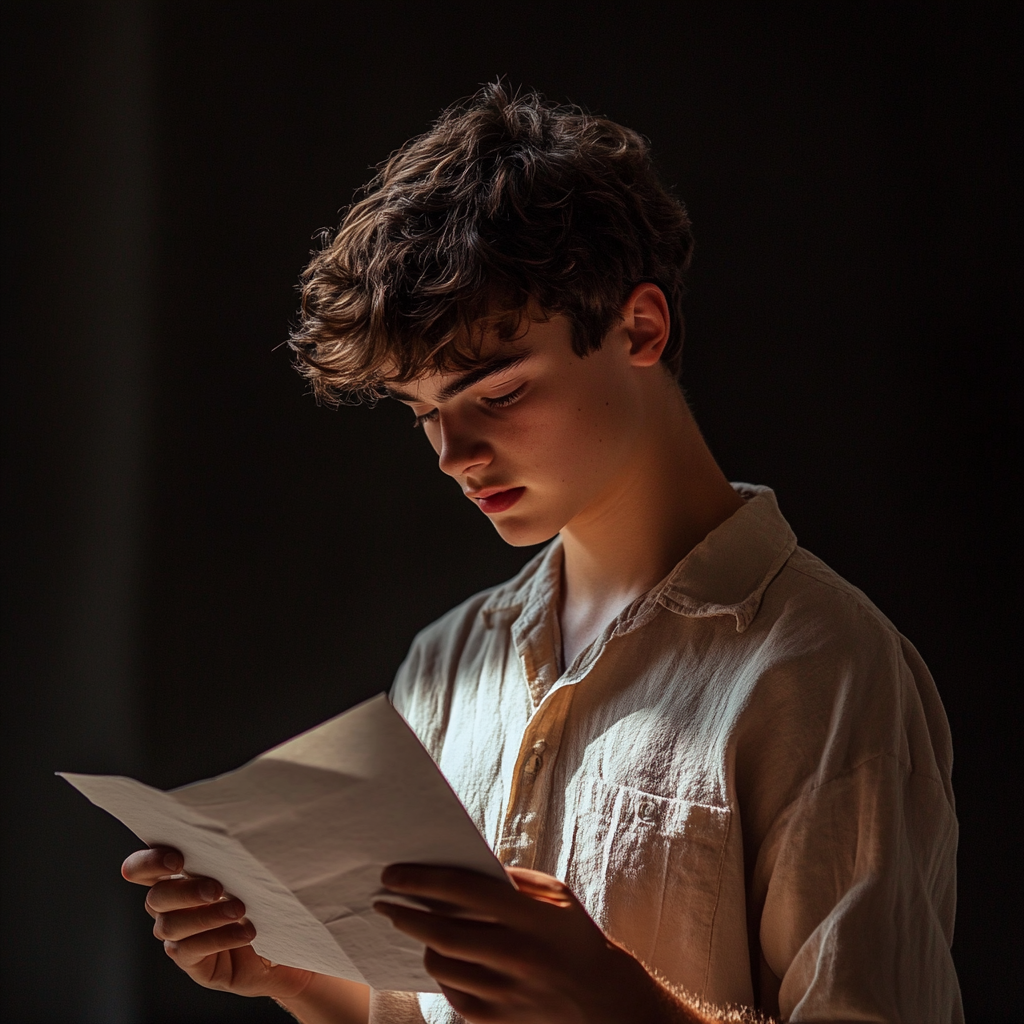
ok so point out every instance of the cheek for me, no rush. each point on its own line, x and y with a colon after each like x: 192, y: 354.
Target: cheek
x: 571, y: 440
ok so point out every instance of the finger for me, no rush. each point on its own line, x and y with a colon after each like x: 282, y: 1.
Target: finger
x: 469, y: 1006
x: 469, y: 890
x: 188, y: 952
x: 474, y: 979
x: 457, y: 937
x: 144, y: 867
x: 539, y: 886
x: 180, y: 924
x: 180, y: 893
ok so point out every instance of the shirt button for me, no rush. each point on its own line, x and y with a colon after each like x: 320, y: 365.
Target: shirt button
x: 647, y: 811
x: 540, y: 746
x: 533, y: 763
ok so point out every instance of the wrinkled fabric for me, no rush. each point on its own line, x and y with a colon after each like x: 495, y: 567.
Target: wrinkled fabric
x: 745, y: 778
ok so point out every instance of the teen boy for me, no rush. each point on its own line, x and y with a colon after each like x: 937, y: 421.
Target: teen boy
x: 718, y: 775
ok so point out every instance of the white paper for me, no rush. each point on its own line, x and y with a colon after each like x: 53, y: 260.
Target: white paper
x: 301, y: 833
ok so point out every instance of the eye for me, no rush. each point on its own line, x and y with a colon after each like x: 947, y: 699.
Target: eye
x: 503, y: 400
x: 427, y: 417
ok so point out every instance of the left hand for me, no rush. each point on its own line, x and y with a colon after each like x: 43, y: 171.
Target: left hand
x: 522, y: 955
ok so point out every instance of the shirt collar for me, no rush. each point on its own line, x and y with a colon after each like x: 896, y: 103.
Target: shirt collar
x: 727, y: 573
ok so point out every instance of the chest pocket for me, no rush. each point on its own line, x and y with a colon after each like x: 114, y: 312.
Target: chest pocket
x: 648, y: 869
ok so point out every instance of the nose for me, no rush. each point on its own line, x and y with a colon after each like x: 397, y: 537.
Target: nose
x: 460, y: 448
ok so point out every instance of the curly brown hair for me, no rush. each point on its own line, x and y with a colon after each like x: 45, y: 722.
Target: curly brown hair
x: 507, y: 203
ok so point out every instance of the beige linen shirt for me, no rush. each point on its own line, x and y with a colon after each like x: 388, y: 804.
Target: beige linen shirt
x: 745, y: 778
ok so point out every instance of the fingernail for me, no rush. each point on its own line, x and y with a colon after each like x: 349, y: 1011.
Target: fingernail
x: 382, y: 908
x: 248, y: 931
x: 209, y: 890
x: 232, y: 910
x: 172, y: 862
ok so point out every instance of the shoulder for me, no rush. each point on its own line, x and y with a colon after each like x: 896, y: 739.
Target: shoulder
x: 822, y: 634
x: 838, y: 683
x: 814, y: 605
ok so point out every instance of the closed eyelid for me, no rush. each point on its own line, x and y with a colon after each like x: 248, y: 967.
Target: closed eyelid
x: 506, y: 391
x: 511, y: 379
x: 425, y: 417
x: 481, y: 374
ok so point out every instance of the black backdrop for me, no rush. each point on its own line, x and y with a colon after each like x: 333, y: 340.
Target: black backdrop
x: 200, y: 562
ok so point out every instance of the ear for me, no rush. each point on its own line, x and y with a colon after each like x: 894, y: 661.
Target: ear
x: 646, y: 319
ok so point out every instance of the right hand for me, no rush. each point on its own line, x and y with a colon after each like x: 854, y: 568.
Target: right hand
x: 206, y: 935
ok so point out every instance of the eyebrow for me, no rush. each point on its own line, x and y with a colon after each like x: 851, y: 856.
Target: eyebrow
x: 467, y: 380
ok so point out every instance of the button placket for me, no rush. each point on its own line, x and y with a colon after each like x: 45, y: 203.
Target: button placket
x: 534, y: 761
x: 530, y: 783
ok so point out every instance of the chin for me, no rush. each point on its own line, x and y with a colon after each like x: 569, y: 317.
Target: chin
x: 522, y: 532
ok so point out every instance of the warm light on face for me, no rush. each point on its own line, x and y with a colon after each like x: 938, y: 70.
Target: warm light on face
x: 538, y: 436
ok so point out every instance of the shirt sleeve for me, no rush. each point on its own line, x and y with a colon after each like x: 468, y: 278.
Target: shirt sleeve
x: 858, y: 915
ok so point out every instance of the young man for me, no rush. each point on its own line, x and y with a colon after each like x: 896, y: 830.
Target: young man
x: 719, y: 778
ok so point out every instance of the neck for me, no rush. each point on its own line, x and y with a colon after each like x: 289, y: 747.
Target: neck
x: 670, y: 498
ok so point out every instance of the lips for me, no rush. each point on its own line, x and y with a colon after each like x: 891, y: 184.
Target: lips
x: 497, y: 501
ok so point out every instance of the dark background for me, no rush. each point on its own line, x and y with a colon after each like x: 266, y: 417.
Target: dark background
x: 199, y: 561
